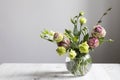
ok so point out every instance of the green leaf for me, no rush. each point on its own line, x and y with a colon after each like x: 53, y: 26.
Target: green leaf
x: 68, y: 31
x: 86, y: 37
x: 72, y: 21
x: 101, y: 40
x: 75, y: 17
x: 74, y: 45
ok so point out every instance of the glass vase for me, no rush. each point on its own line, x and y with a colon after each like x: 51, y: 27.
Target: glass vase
x: 79, y: 66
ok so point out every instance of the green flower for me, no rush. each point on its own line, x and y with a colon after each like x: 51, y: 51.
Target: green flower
x: 84, y: 47
x: 72, y: 54
x: 51, y: 33
x: 83, y: 20
x: 48, y: 35
x: 58, y: 37
x: 61, y: 51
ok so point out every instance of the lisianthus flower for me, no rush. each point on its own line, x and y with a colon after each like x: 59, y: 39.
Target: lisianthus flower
x: 52, y: 33
x: 61, y: 50
x: 58, y: 37
x: 93, y: 42
x: 72, y: 54
x: 65, y: 43
x: 98, y: 31
x: 84, y: 47
x: 83, y: 20
x: 48, y: 35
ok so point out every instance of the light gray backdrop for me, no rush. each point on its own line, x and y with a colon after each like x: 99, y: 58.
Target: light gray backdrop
x: 21, y: 22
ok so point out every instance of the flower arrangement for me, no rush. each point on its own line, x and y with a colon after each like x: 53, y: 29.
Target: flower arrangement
x: 77, y: 43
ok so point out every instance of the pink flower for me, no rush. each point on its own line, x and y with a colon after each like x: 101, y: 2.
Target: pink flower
x: 93, y: 42
x: 65, y: 43
x: 98, y: 31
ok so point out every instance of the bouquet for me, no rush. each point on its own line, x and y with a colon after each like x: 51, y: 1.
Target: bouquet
x: 77, y: 43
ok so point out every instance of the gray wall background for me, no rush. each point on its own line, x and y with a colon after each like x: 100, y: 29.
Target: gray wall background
x: 21, y: 22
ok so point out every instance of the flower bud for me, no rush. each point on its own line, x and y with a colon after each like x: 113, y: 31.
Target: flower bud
x: 81, y: 13
x: 84, y: 48
x: 58, y: 37
x: 65, y: 43
x: 110, y: 40
x: 72, y: 54
x: 61, y: 51
x: 98, y: 31
x: 93, y: 42
x: 83, y: 20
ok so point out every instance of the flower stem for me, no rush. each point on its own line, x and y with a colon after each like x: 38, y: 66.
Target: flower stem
x: 100, y: 20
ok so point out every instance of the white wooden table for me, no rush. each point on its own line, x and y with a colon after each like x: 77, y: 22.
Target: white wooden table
x: 26, y: 71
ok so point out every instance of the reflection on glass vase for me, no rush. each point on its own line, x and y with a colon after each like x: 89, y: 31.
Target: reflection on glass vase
x: 79, y: 66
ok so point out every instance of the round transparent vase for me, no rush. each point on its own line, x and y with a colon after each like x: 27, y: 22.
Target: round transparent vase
x: 79, y: 66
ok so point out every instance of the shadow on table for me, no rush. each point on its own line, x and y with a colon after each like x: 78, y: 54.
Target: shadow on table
x: 56, y: 75
x: 61, y: 74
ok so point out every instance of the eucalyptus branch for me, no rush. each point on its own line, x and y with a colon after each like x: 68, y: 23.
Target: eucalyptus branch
x: 100, y: 20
